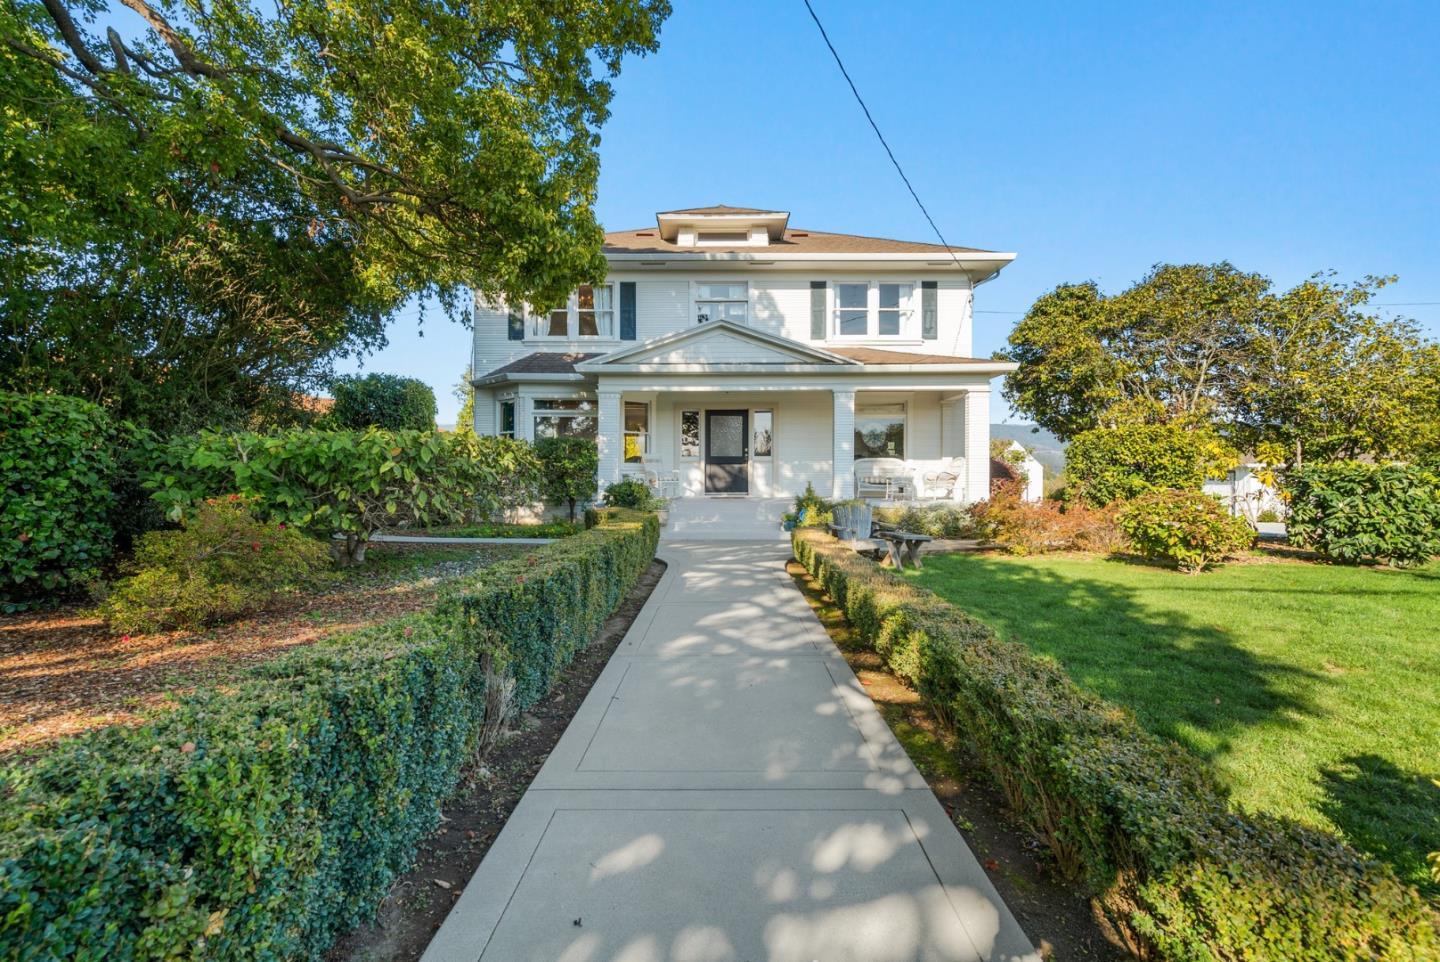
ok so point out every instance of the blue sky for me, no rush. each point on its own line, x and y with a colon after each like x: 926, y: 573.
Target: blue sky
x: 1093, y: 139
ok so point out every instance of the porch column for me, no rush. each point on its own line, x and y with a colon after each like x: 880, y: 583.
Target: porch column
x: 609, y: 438
x: 977, y: 445
x: 842, y: 484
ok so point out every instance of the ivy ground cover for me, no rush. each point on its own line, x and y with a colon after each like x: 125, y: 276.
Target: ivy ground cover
x: 1314, y: 690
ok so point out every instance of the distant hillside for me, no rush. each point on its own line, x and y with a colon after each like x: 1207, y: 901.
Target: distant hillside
x: 1047, y: 448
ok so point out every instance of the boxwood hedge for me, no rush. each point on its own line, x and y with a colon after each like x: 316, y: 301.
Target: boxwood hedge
x: 1142, y: 823
x: 260, y: 820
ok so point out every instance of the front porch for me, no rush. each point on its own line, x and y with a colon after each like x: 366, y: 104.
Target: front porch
x: 771, y: 444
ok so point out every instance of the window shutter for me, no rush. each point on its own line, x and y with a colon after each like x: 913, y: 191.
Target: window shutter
x: 817, y: 310
x: 517, y: 326
x: 627, y: 310
x: 929, y: 313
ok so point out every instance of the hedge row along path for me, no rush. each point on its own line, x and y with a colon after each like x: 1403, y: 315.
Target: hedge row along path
x: 728, y: 790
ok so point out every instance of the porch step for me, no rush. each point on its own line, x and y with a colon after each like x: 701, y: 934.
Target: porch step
x: 725, y: 519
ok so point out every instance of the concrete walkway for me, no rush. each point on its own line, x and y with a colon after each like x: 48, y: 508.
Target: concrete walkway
x: 728, y: 793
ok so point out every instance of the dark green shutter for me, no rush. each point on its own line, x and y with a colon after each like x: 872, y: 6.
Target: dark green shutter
x: 627, y: 310
x: 517, y: 326
x: 929, y: 313
x: 817, y: 310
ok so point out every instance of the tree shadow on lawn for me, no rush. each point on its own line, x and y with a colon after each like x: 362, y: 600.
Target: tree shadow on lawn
x: 1387, y: 811
x: 1187, y: 681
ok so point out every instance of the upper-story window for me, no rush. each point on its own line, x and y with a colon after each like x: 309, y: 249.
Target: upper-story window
x: 722, y: 237
x: 589, y: 313
x: 727, y: 301
x: 874, y: 309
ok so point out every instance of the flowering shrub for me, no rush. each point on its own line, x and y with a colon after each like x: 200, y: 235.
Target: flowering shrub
x: 1187, y: 527
x: 221, y: 564
x: 1035, y: 527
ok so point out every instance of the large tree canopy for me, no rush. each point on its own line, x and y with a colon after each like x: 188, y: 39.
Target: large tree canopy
x: 1309, y: 368
x: 204, y: 203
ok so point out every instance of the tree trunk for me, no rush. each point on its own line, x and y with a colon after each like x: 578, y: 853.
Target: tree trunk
x: 351, y: 551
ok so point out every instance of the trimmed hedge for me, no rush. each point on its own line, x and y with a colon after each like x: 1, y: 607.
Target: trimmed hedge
x: 1141, y: 822
x: 1355, y: 512
x: 260, y: 820
x: 56, y: 466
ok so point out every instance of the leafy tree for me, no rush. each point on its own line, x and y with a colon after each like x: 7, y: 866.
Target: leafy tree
x: 384, y: 401
x: 1115, y: 464
x: 567, y: 468
x: 1307, y: 368
x: 199, y: 215
x: 465, y: 394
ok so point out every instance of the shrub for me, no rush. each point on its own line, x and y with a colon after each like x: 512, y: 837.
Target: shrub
x: 382, y: 401
x: 1187, y: 527
x: 1035, y: 527
x: 56, y: 469
x: 1115, y: 464
x: 1143, y: 823
x: 936, y: 520
x: 221, y: 564
x: 568, y: 467
x: 350, y: 483
x: 629, y: 493
x: 1366, y: 512
x: 1268, y: 516
x: 259, y: 821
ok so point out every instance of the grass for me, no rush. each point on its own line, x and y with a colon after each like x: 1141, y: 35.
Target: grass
x: 1313, y: 689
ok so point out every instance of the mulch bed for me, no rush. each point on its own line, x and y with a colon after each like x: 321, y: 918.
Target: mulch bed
x: 419, y: 901
x: 1059, y: 918
x: 62, y: 672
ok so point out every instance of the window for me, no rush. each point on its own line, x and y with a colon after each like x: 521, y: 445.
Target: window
x: 590, y: 313
x: 894, y: 312
x: 637, y: 431
x: 880, y: 431
x: 722, y: 237
x: 507, y: 419
x: 689, y: 434
x: 890, y: 304
x: 722, y: 302
x: 852, y: 309
x: 764, y: 428
x: 565, y: 418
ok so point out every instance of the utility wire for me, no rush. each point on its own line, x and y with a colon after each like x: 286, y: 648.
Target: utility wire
x: 876, y: 127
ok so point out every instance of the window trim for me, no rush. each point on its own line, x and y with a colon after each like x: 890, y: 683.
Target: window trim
x: 755, y: 454
x: 696, y: 300
x: 907, y: 311
x: 904, y: 420
x: 648, y: 434
x: 540, y: 321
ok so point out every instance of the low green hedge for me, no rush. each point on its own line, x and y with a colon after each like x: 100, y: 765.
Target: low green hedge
x: 1141, y: 822
x: 1355, y: 512
x: 260, y: 820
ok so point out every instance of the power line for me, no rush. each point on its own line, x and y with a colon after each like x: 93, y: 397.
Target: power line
x: 876, y: 127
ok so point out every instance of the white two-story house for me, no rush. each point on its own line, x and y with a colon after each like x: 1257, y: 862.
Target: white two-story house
x: 730, y: 354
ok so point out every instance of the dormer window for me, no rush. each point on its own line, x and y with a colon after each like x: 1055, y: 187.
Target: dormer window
x: 722, y: 237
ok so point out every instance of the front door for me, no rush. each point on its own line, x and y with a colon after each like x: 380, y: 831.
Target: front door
x: 727, y: 452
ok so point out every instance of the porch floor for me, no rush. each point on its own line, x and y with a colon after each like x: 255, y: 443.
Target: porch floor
x: 726, y: 519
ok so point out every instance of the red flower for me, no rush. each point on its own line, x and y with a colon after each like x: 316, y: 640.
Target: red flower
x: 254, y: 546
x: 282, y: 526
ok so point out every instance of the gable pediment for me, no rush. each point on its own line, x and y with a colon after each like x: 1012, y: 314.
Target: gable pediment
x: 717, y: 342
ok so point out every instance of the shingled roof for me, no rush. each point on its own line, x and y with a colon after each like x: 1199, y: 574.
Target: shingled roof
x: 647, y: 240
x: 875, y: 355
x: 542, y: 362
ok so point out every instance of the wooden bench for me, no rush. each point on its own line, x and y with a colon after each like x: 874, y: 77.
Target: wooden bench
x: 908, y: 540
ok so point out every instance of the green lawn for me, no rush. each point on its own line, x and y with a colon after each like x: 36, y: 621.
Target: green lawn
x: 1313, y: 689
